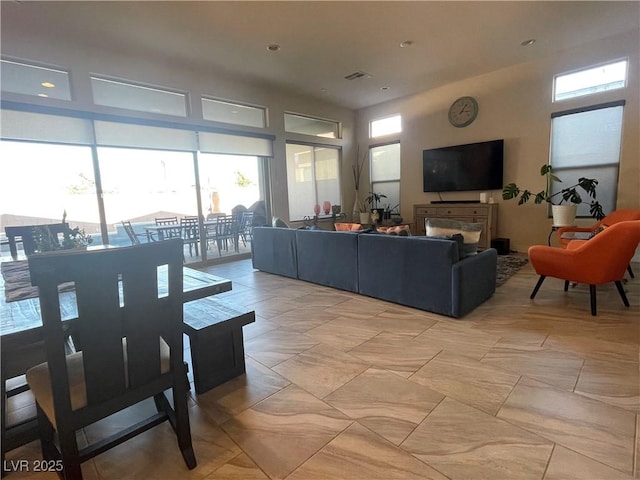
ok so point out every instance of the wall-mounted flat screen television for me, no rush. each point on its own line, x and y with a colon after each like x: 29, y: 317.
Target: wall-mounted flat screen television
x: 474, y: 166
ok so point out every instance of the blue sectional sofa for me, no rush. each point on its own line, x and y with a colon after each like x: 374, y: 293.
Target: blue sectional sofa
x: 420, y: 272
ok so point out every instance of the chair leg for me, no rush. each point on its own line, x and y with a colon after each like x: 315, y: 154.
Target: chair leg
x: 592, y: 295
x: 566, y: 285
x: 630, y: 271
x: 537, y: 287
x: 622, y: 294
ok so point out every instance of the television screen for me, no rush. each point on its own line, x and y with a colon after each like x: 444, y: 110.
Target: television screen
x: 475, y: 166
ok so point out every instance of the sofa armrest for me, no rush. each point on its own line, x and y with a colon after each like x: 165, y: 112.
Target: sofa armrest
x: 273, y: 250
x: 473, y: 281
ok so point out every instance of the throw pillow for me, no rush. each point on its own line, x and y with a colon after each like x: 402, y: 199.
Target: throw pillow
x: 458, y: 238
x: 436, y: 227
x: 400, y: 230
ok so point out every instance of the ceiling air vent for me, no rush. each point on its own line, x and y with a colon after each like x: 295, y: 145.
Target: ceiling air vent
x: 358, y: 74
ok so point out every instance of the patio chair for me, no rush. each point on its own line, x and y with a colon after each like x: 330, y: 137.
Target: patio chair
x: 190, y: 233
x: 133, y: 236
x: 132, y: 348
x: 169, y: 232
x: 223, y: 231
x: 246, y: 227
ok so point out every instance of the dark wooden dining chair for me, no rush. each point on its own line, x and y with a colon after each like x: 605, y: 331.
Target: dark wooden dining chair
x: 132, y: 347
x: 24, y: 233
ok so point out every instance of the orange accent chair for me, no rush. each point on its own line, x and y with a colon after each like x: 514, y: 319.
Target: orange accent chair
x: 600, y: 260
x: 622, y: 215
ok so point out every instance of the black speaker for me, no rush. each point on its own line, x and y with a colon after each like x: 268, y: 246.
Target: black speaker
x: 501, y: 245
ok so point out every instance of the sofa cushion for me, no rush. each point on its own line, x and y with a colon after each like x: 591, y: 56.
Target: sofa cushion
x: 328, y: 258
x: 456, y: 237
x: 413, y: 271
x: 437, y: 227
x: 273, y: 250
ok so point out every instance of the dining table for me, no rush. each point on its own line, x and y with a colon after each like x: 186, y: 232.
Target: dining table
x: 21, y: 332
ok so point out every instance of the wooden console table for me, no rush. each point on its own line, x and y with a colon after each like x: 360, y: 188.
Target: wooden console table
x: 485, y: 213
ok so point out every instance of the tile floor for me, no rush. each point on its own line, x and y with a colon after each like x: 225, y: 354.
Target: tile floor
x: 340, y: 386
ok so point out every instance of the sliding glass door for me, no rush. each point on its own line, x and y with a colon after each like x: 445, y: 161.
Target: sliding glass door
x: 41, y: 181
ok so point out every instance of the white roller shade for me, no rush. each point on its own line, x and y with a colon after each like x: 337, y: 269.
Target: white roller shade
x: 235, y: 144
x: 19, y: 125
x: 144, y: 136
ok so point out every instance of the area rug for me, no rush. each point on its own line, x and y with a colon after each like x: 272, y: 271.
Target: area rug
x: 507, y: 266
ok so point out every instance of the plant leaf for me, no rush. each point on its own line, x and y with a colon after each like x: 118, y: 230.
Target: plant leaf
x: 510, y: 191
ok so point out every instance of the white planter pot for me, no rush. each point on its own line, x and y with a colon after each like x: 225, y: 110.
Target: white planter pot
x: 364, y: 217
x: 564, y: 215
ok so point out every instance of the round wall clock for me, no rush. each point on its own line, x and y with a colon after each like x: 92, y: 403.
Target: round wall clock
x: 463, y: 111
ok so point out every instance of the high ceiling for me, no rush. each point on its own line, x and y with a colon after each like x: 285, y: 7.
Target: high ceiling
x: 323, y: 41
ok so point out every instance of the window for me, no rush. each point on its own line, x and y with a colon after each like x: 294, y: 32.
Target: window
x: 118, y: 94
x: 385, y: 173
x: 586, y: 143
x: 43, y: 180
x: 312, y: 177
x: 592, y: 80
x: 34, y: 80
x: 311, y: 126
x: 385, y: 126
x: 234, y: 113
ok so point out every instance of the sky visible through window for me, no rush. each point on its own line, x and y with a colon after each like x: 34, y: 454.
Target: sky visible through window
x: 585, y: 82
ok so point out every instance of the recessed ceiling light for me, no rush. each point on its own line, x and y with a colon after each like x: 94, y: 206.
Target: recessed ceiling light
x: 528, y: 43
x: 273, y: 47
x: 43, y: 95
x: 47, y: 84
x: 384, y: 88
x: 406, y: 43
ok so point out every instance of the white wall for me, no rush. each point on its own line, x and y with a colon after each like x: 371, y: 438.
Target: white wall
x: 514, y: 104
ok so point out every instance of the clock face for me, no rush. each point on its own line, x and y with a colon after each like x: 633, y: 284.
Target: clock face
x: 463, y: 111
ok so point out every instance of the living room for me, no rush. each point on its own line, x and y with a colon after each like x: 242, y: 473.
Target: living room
x: 340, y: 385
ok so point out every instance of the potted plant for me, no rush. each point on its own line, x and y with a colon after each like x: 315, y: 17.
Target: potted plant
x: 46, y: 241
x: 563, y: 213
x: 372, y: 200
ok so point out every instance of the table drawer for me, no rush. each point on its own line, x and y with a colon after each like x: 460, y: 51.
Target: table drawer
x: 460, y: 211
x: 426, y: 210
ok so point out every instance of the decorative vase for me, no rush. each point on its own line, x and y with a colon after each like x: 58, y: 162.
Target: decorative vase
x: 364, y: 218
x: 215, y: 199
x: 316, y: 209
x: 326, y: 206
x: 356, y: 208
x: 564, y: 215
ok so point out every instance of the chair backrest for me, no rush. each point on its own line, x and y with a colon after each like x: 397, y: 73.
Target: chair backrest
x: 228, y: 226
x: 190, y: 226
x: 121, y: 320
x: 25, y: 233
x: 607, y: 255
x: 621, y: 215
x: 128, y: 228
x: 247, y: 221
x: 168, y: 221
